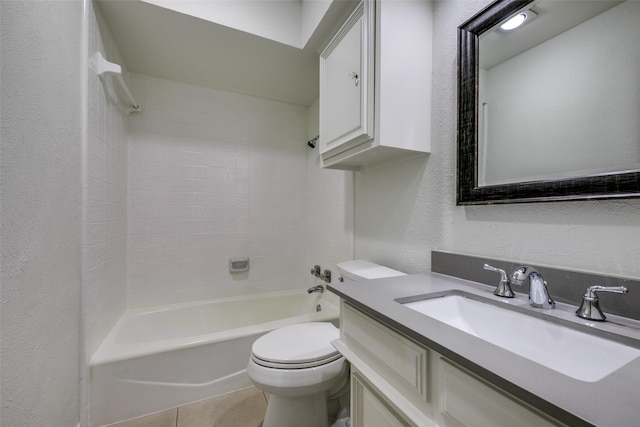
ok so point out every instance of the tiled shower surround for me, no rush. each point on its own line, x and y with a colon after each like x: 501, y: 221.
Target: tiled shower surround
x: 214, y: 175
x: 104, y: 238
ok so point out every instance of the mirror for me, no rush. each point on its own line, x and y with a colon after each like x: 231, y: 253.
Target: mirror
x: 551, y: 110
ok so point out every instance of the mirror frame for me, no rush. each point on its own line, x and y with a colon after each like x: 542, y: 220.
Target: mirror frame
x: 623, y: 184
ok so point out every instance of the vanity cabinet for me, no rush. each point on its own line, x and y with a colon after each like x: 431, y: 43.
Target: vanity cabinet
x: 369, y: 409
x: 375, y: 85
x: 399, y: 382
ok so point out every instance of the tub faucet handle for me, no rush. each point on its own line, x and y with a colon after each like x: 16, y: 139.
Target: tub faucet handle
x: 315, y: 271
x: 326, y: 276
x: 590, y: 307
x: 504, y: 287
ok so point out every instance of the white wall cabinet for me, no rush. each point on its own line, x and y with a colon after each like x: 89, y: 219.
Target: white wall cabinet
x: 346, y: 100
x: 375, y: 85
x: 399, y: 382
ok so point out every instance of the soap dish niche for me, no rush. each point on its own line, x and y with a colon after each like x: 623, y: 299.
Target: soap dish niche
x: 238, y: 265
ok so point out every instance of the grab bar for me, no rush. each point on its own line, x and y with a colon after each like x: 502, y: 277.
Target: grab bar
x: 105, y: 68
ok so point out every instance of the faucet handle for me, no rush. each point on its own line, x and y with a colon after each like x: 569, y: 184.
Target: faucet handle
x: 591, y: 290
x: 504, y: 289
x: 315, y: 271
x: 590, y: 307
x: 326, y: 276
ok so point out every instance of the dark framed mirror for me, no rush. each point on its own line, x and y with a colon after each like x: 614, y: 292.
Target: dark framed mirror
x: 596, y: 111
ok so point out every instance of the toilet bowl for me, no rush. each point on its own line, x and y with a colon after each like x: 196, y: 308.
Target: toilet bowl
x: 300, y: 369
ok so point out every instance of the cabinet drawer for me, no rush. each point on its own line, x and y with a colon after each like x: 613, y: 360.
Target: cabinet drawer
x: 397, y: 359
x: 469, y: 401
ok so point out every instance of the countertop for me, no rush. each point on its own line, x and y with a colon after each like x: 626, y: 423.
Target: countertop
x: 611, y: 401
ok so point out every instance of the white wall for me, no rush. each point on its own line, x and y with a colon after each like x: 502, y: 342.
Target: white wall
x: 330, y: 211
x: 276, y: 20
x: 406, y: 210
x: 213, y: 175
x: 41, y: 131
x: 104, y: 239
x: 288, y: 22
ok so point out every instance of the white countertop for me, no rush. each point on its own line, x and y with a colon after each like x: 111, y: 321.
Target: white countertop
x: 611, y: 401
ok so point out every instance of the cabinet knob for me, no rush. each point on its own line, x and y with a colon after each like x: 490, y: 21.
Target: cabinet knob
x: 354, y: 76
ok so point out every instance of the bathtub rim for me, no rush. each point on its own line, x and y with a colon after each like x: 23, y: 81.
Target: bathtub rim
x: 111, y: 352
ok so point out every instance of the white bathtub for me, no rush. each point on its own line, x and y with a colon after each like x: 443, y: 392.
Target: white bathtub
x: 163, y: 357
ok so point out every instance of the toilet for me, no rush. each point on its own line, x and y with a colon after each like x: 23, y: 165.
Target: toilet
x: 300, y: 369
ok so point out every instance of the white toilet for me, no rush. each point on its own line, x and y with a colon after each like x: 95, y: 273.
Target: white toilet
x: 300, y: 369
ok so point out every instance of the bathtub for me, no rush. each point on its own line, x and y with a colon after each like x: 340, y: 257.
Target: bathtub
x: 163, y: 357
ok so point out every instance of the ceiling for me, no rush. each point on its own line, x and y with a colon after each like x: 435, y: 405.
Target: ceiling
x: 163, y: 43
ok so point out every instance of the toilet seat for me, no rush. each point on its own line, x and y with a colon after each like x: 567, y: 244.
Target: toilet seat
x: 299, y: 346
x: 312, y: 364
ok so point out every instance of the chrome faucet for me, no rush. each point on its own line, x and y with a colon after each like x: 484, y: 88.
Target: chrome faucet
x: 538, y: 292
x: 590, y: 307
x: 326, y: 275
x: 504, y: 288
x: 318, y: 288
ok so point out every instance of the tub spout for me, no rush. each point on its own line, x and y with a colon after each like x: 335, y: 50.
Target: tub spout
x: 313, y: 289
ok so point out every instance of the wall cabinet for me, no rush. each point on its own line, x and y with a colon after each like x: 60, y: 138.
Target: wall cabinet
x: 347, y: 93
x: 399, y: 382
x: 375, y: 85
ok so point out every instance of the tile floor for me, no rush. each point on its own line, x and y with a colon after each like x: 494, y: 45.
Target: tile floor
x: 242, y: 408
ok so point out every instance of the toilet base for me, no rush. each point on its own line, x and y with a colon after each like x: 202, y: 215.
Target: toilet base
x: 289, y: 411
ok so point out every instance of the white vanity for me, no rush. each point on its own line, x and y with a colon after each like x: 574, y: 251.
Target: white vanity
x: 411, y: 369
x: 397, y: 381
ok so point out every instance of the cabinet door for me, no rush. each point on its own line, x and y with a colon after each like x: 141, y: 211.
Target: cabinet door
x: 468, y: 401
x: 346, y: 85
x: 368, y: 410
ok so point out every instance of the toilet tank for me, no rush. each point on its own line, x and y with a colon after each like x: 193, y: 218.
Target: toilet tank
x: 360, y: 269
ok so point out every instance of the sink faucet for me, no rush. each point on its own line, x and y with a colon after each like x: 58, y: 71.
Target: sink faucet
x: 538, y: 292
x: 318, y: 288
x: 503, y: 289
x: 590, y: 307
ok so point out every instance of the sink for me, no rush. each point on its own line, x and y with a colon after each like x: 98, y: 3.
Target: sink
x: 571, y: 352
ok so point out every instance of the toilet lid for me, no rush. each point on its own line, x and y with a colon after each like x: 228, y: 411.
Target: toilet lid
x: 303, y: 345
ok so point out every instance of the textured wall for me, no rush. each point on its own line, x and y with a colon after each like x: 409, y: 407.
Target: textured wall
x: 41, y: 211
x: 403, y: 211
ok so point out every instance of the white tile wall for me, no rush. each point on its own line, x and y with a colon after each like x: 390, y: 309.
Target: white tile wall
x: 213, y: 175
x: 104, y: 241
x: 330, y: 209
x: 197, y: 177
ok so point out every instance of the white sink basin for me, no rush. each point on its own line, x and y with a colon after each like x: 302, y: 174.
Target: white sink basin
x: 577, y: 354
